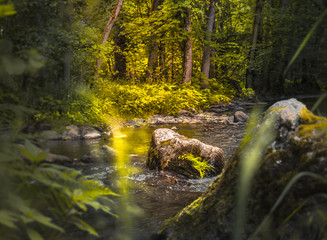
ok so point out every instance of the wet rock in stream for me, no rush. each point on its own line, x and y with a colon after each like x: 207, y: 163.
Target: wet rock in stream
x: 173, y: 152
x: 240, y: 117
x: 102, y: 154
x: 300, y: 145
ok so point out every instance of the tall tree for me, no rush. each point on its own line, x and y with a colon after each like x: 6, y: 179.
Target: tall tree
x: 153, y: 46
x: 110, y: 23
x: 207, y: 47
x: 120, y: 42
x: 187, y: 71
x: 68, y: 53
x: 252, y: 75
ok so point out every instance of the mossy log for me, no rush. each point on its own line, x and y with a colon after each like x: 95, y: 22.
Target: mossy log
x: 300, y: 145
x: 170, y: 151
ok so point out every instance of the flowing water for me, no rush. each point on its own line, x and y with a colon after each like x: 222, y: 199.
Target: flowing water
x: 147, y: 197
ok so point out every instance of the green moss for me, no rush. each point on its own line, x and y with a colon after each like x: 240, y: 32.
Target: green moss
x: 198, y: 164
x: 307, y: 117
x: 313, y: 126
x: 165, y: 143
x: 194, y: 205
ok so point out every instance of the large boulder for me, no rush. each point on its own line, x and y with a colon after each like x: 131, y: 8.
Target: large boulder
x: 170, y: 151
x: 299, y: 145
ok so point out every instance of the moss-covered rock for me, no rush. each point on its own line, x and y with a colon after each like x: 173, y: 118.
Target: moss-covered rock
x: 300, y: 145
x: 170, y: 151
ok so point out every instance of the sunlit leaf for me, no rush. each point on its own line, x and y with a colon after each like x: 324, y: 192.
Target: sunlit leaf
x: 33, y: 235
x: 18, y: 204
x: 7, y: 10
x: 32, y: 153
x: 44, y: 220
x: 7, y: 218
x: 31, y: 147
x: 30, y: 214
x: 84, y: 226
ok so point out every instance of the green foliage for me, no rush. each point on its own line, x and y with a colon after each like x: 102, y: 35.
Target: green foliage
x: 198, y: 163
x: 42, y: 200
x: 145, y: 100
x: 6, y: 9
x: 291, y: 53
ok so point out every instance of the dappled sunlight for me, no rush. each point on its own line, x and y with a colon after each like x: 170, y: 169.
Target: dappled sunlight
x: 126, y: 207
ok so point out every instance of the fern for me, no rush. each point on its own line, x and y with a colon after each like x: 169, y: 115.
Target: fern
x: 200, y: 165
x: 40, y: 198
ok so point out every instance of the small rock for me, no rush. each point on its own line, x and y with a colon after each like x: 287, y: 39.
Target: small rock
x: 241, y: 117
x: 72, y: 133
x: 104, y: 153
x: 58, y: 159
x: 106, y: 135
x: 185, y: 113
x: 90, y: 133
x: 133, y: 124
x: 50, y: 135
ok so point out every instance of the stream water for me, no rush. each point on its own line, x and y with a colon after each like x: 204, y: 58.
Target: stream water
x: 149, y: 197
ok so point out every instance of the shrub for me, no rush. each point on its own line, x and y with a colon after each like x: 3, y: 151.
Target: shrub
x: 41, y: 199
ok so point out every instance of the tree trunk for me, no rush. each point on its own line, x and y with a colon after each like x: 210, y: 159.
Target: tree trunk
x: 252, y: 74
x: 154, y: 46
x: 207, y: 48
x: 187, y: 73
x: 68, y: 53
x: 120, y: 58
x: 108, y: 28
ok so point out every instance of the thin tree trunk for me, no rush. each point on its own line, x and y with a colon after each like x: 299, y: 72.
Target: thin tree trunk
x: 266, y: 85
x: 257, y: 28
x: 187, y: 73
x: 68, y: 53
x: 207, y: 48
x: 171, y: 72
x: 107, y: 29
x: 154, y: 46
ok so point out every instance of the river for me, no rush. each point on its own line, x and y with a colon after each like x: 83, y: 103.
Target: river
x: 151, y: 196
x: 147, y: 197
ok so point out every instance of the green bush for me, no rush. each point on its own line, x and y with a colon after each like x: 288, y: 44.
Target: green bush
x: 108, y: 100
x: 41, y: 200
x: 144, y: 100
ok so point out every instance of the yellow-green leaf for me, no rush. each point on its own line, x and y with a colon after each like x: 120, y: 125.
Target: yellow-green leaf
x: 33, y: 235
x: 84, y: 226
x: 7, y: 218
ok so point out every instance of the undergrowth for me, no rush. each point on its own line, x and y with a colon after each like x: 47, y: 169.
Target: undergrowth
x: 107, y: 100
x: 41, y: 200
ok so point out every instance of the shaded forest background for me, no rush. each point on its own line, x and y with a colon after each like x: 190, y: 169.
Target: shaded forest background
x: 85, y: 60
